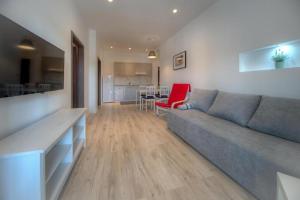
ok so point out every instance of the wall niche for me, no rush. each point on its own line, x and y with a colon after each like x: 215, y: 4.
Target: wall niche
x: 276, y: 57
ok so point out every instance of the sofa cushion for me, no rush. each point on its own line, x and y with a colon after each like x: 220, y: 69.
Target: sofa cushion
x: 251, y: 140
x: 237, y: 108
x: 202, y: 99
x: 279, y: 117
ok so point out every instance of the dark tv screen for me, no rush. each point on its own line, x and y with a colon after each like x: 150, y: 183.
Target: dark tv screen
x: 28, y: 64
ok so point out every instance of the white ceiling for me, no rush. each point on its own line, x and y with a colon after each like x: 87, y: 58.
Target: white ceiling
x: 138, y: 24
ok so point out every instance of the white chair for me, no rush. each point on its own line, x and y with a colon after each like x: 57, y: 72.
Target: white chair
x: 163, y: 93
x: 139, y: 93
x: 148, y: 98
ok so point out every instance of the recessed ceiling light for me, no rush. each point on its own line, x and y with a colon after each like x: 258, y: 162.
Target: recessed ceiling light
x: 175, y: 11
x: 111, y: 47
x: 129, y: 48
x: 110, y: 1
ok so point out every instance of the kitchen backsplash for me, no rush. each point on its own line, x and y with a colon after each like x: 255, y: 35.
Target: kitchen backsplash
x: 133, y: 80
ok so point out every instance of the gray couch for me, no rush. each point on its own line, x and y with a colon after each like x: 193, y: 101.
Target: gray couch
x: 249, y: 137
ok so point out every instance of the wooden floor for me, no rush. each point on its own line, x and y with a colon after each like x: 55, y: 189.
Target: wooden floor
x: 131, y: 155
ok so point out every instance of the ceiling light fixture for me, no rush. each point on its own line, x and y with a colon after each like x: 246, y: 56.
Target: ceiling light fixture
x: 110, y: 1
x: 152, y: 54
x: 26, y: 45
x: 111, y: 47
x: 129, y: 48
x: 175, y: 11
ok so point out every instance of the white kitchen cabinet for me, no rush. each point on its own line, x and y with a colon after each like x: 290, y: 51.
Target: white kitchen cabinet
x: 119, y: 93
x: 130, y: 93
x: 125, y: 93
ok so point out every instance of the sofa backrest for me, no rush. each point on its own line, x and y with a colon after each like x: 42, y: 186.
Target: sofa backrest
x: 202, y: 99
x: 279, y: 117
x: 238, y: 108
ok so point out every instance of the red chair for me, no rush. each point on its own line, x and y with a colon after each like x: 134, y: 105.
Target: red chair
x: 178, y: 96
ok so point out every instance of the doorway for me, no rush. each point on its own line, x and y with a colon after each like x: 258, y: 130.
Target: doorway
x: 158, y: 76
x: 77, y: 72
x: 99, y: 83
x: 25, y: 71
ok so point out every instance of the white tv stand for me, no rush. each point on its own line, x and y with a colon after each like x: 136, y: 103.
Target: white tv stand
x: 36, y: 161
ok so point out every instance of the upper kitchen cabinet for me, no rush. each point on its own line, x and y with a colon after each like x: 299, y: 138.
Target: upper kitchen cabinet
x: 143, y: 69
x: 132, y: 69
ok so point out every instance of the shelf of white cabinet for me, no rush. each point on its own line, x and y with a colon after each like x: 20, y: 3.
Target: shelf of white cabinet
x: 55, y: 184
x: 78, y: 144
x: 55, y: 157
x: 78, y: 131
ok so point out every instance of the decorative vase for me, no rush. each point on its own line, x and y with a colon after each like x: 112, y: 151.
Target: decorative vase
x: 279, y: 64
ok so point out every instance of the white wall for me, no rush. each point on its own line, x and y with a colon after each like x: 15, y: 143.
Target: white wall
x: 214, y: 40
x: 53, y: 21
x: 111, y: 56
x: 93, y: 72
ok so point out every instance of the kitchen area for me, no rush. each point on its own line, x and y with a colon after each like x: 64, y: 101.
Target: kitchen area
x: 127, y: 79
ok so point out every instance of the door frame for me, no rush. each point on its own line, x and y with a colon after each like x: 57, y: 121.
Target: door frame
x: 158, y: 76
x: 99, y: 83
x: 77, y: 86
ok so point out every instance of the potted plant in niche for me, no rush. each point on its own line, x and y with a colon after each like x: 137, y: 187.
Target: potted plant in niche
x: 279, y: 57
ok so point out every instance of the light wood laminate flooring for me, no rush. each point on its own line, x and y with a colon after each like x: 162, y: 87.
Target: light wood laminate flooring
x: 131, y: 155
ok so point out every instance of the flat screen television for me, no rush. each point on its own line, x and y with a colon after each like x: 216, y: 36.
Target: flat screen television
x: 28, y: 63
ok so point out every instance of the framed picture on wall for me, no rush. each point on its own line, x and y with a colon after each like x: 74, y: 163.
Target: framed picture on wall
x: 179, y: 61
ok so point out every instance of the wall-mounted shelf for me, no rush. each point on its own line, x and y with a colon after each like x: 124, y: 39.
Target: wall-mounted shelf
x: 36, y: 161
